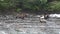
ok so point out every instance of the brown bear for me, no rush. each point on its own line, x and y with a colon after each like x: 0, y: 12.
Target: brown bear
x: 22, y: 15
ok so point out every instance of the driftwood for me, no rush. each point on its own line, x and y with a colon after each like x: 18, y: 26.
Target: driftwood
x: 42, y: 19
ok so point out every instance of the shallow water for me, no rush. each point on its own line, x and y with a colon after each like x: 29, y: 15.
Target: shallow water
x: 11, y: 25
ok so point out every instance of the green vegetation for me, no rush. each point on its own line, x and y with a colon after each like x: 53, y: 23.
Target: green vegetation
x: 31, y: 5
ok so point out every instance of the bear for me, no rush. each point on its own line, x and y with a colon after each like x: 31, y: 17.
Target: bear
x: 22, y: 15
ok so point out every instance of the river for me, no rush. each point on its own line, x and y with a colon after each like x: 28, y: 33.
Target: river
x: 30, y: 25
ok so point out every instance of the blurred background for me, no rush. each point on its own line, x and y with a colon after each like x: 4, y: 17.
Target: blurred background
x: 29, y: 6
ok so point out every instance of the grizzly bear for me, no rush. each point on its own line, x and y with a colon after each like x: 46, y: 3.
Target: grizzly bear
x: 22, y: 15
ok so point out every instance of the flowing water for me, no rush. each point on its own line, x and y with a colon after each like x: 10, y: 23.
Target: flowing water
x: 30, y: 25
